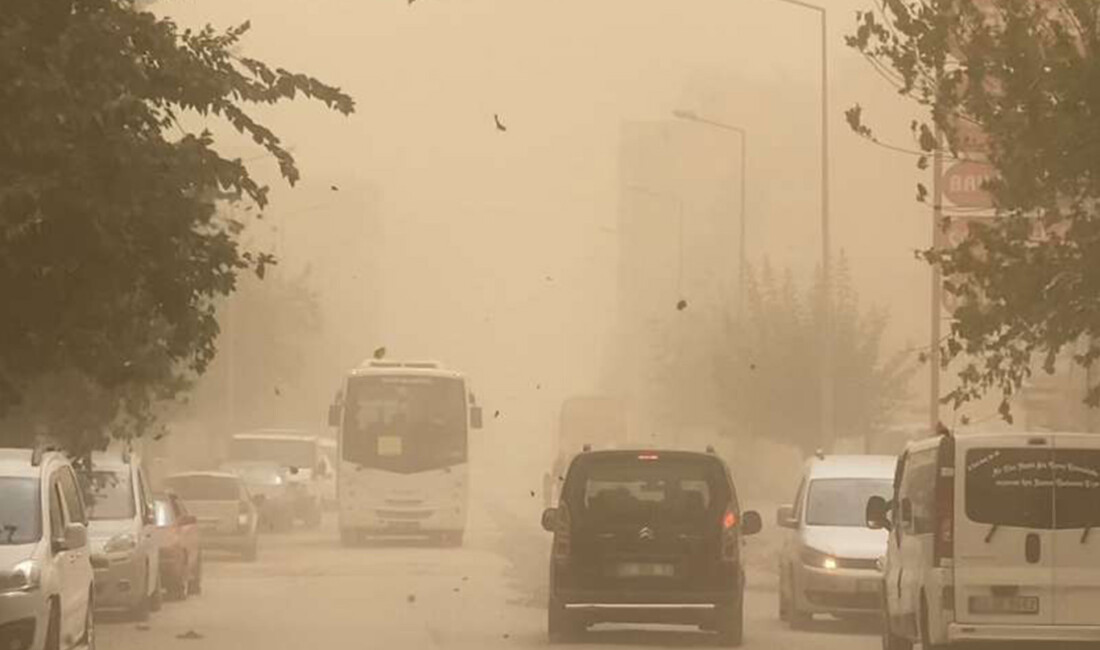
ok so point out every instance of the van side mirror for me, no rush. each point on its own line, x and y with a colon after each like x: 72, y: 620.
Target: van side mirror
x: 784, y: 517
x: 550, y: 519
x: 334, y: 412
x: 751, y: 523
x: 476, y: 417
x: 878, y: 514
x: 75, y: 536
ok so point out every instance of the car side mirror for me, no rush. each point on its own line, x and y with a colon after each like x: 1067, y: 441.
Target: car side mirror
x: 476, y: 417
x: 878, y: 514
x: 188, y: 520
x: 550, y: 519
x: 334, y: 412
x: 784, y: 517
x: 75, y: 536
x: 751, y: 523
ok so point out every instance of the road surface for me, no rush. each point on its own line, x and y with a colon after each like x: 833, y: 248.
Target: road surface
x: 306, y: 592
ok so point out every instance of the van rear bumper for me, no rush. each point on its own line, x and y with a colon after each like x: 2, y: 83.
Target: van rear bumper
x: 957, y: 632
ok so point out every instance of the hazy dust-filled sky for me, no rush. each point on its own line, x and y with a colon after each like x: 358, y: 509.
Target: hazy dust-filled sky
x: 497, y: 250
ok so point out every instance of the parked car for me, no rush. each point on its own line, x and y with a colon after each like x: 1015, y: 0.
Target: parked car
x: 122, y: 529
x: 991, y: 540
x: 647, y: 537
x: 46, y: 578
x: 180, y: 553
x: 227, y: 518
x: 287, y: 468
x: 829, y: 560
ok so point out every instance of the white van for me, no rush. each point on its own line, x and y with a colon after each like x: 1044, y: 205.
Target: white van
x: 991, y: 540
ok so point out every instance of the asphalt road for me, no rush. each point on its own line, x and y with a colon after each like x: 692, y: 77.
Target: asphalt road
x: 306, y: 592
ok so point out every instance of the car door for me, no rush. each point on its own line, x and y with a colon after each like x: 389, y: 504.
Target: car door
x: 149, y: 545
x: 80, y: 575
x: 1004, y: 553
x: 65, y: 563
x: 895, y: 569
x: 1076, y: 553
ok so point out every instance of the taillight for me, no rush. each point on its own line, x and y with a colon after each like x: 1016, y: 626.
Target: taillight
x: 943, y: 548
x: 563, y: 534
x: 729, y: 535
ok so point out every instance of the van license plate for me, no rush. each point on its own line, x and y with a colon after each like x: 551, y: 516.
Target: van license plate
x: 1004, y: 605
x: 403, y: 526
x: 645, y: 570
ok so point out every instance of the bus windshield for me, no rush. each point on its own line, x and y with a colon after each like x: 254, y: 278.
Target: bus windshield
x: 405, y: 423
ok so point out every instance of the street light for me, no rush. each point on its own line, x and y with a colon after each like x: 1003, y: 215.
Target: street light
x: 828, y: 422
x: 690, y: 116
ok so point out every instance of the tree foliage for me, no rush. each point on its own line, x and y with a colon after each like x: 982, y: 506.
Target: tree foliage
x: 769, y: 369
x: 112, y: 251
x: 1026, y: 75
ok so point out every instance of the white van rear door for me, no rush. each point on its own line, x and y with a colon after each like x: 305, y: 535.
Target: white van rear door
x: 1076, y: 544
x: 1004, y: 554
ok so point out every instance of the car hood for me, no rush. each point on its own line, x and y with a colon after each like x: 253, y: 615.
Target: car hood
x: 101, y: 530
x: 13, y: 554
x: 853, y: 542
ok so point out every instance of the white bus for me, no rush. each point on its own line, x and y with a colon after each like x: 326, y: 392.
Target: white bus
x: 403, y: 451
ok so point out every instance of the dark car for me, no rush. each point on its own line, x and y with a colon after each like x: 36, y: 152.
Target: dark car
x: 180, y: 553
x: 647, y: 537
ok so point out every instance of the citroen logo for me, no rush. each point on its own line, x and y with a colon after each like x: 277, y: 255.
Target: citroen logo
x: 646, y: 534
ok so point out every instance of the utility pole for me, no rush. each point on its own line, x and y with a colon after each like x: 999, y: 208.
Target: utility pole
x: 937, y: 288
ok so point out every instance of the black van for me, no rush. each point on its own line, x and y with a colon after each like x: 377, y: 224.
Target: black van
x: 647, y: 537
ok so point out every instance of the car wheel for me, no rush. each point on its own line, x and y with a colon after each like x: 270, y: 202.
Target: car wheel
x: 53, y: 629
x: 731, y: 623
x: 561, y: 625
x: 88, y: 639
x: 925, y: 633
x: 195, y: 584
x: 157, y: 598
x: 891, y: 641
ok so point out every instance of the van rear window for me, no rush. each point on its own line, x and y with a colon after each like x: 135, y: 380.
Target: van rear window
x: 627, y: 490
x: 1033, y: 488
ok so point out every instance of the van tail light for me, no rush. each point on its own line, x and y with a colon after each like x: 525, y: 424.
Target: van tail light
x: 943, y: 549
x: 563, y: 534
x: 729, y: 535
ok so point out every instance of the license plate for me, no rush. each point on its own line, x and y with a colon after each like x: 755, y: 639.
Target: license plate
x: 1004, y: 604
x: 645, y: 570
x: 403, y: 526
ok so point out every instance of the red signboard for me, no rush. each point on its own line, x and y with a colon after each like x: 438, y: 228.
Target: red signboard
x: 964, y: 184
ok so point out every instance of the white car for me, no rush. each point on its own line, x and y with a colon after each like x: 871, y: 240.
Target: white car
x: 123, y: 530
x: 829, y: 561
x: 46, y: 577
x: 991, y: 539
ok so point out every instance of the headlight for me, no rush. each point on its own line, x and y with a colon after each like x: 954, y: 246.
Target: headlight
x: 243, y: 519
x: 818, y: 560
x: 24, y: 576
x: 123, y: 543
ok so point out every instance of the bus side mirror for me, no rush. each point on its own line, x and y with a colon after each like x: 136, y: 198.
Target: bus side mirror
x: 334, y: 415
x: 476, y: 417
x: 878, y: 517
x: 549, y: 519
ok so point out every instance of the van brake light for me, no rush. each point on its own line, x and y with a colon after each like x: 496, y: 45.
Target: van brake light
x: 648, y: 457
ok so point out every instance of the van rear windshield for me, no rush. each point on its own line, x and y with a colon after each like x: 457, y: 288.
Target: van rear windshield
x: 1033, y: 488
x: 625, y: 489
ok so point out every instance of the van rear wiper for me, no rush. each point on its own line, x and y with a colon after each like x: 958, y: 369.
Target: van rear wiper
x: 1085, y: 535
x: 992, y: 531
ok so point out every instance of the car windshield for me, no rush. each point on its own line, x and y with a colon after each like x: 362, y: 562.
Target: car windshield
x: 204, y: 488
x: 285, y: 452
x: 626, y: 489
x: 405, y: 423
x: 843, y: 501
x: 110, y: 494
x: 20, y: 511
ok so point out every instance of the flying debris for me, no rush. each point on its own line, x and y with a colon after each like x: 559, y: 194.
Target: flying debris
x: 500, y: 125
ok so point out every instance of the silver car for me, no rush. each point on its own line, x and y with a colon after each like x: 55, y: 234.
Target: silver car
x: 122, y: 531
x: 224, y: 509
x: 829, y: 563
